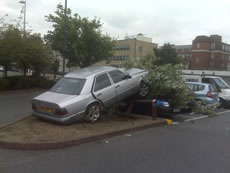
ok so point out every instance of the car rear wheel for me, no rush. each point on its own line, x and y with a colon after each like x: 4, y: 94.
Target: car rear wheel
x: 143, y: 90
x: 93, y: 112
x: 222, y: 103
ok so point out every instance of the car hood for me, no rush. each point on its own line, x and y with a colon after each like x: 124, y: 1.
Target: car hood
x: 56, y: 98
x: 134, y: 71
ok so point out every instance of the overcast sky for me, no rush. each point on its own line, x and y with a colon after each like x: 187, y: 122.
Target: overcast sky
x: 165, y: 21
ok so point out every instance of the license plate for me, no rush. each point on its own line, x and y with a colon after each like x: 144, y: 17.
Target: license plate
x: 45, y: 109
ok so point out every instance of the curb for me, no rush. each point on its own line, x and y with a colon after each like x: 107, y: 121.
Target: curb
x: 10, y: 123
x: 65, y: 144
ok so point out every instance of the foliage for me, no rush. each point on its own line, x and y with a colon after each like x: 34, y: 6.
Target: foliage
x: 167, y: 55
x: 164, y: 81
x: 200, y: 107
x: 86, y: 44
x: 24, y: 50
x: 20, y: 82
x: 10, y: 45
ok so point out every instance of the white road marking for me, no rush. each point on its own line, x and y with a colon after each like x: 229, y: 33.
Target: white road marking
x: 197, y: 118
x: 201, y: 117
x: 223, y: 112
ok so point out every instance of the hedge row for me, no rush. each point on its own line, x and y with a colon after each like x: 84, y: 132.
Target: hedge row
x: 19, y: 82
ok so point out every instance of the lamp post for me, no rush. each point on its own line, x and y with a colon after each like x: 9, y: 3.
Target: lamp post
x: 65, y: 38
x: 24, y: 23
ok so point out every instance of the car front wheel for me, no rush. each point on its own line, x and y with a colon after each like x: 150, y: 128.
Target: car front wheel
x: 93, y: 112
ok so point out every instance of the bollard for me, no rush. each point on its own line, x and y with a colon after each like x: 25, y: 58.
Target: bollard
x: 154, y: 109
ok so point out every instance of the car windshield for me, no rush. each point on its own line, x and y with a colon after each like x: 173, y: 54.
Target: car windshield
x: 221, y: 83
x: 70, y: 86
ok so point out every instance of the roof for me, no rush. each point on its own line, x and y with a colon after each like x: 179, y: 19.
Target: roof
x: 88, y: 71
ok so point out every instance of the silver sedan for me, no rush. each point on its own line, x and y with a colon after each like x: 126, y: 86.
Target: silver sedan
x: 84, y: 93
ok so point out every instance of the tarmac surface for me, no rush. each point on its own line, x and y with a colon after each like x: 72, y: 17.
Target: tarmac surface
x: 16, y: 104
x: 200, y: 146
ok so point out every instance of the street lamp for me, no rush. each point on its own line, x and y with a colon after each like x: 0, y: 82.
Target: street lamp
x: 65, y: 39
x: 24, y: 2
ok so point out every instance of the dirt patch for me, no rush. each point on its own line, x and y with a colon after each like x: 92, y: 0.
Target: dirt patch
x: 32, y: 130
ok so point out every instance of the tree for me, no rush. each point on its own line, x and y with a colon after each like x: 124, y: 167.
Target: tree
x: 10, y: 45
x: 86, y: 44
x: 23, y: 50
x: 164, y: 81
x: 167, y: 55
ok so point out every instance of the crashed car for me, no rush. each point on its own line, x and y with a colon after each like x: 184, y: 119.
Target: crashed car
x: 84, y: 93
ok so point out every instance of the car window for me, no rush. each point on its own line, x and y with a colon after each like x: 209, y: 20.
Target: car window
x: 101, y: 82
x: 117, y: 76
x: 221, y: 83
x: 70, y: 86
x: 196, y: 87
x: 212, y: 89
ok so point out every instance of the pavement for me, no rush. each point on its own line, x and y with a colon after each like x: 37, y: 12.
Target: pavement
x: 16, y: 104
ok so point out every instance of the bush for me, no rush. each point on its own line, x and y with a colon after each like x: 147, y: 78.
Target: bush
x: 19, y: 82
x: 164, y: 81
x: 5, y: 84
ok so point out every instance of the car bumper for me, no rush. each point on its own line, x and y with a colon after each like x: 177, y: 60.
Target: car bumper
x: 60, y: 120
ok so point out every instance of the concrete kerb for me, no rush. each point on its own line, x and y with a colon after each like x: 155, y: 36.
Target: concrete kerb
x: 11, y: 123
x: 69, y: 143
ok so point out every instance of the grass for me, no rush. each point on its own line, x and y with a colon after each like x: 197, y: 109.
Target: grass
x: 32, y: 130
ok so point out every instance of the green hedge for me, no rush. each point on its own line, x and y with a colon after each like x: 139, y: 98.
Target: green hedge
x: 19, y: 82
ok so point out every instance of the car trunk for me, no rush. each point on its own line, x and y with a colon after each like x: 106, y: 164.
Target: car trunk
x: 48, y: 102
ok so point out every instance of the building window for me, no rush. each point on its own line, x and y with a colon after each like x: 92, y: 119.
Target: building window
x: 212, y: 55
x: 198, y: 45
x: 213, y: 46
x: 222, y: 65
x: 223, y: 47
x: 211, y: 64
x: 197, y: 60
x: 229, y: 58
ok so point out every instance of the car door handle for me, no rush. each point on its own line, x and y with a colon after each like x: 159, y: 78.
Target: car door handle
x: 117, y: 86
x: 100, y: 94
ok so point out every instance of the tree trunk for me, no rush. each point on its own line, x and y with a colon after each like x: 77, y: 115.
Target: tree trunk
x: 24, y: 72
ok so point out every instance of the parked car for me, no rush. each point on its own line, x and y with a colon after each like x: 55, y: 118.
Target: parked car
x: 204, y: 92
x: 222, y: 87
x: 84, y: 93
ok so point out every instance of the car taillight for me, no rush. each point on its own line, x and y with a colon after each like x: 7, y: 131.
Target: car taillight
x: 61, y: 112
x: 209, y: 94
x: 34, y: 107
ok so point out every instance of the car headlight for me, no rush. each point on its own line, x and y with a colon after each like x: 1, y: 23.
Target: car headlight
x: 166, y: 104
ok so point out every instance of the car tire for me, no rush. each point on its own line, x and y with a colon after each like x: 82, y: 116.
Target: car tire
x: 93, y: 112
x: 222, y: 103
x: 143, y: 90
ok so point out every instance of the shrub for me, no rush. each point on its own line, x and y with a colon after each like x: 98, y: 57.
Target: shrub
x: 164, y: 81
x: 19, y: 82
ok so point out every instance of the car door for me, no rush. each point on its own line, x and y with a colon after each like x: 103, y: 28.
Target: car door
x: 122, y: 84
x: 104, y: 90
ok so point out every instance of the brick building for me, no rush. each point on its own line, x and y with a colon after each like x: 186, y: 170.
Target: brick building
x: 185, y: 51
x: 207, y: 53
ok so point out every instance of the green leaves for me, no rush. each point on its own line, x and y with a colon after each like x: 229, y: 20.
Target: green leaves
x: 165, y: 81
x: 86, y: 44
x: 25, y: 51
x: 167, y: 55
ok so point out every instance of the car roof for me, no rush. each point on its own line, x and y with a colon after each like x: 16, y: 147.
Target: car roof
x: 88, y: 71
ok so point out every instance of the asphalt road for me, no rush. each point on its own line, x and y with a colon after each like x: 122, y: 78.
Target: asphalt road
x: 16, y: 104
x: 202, y: 146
